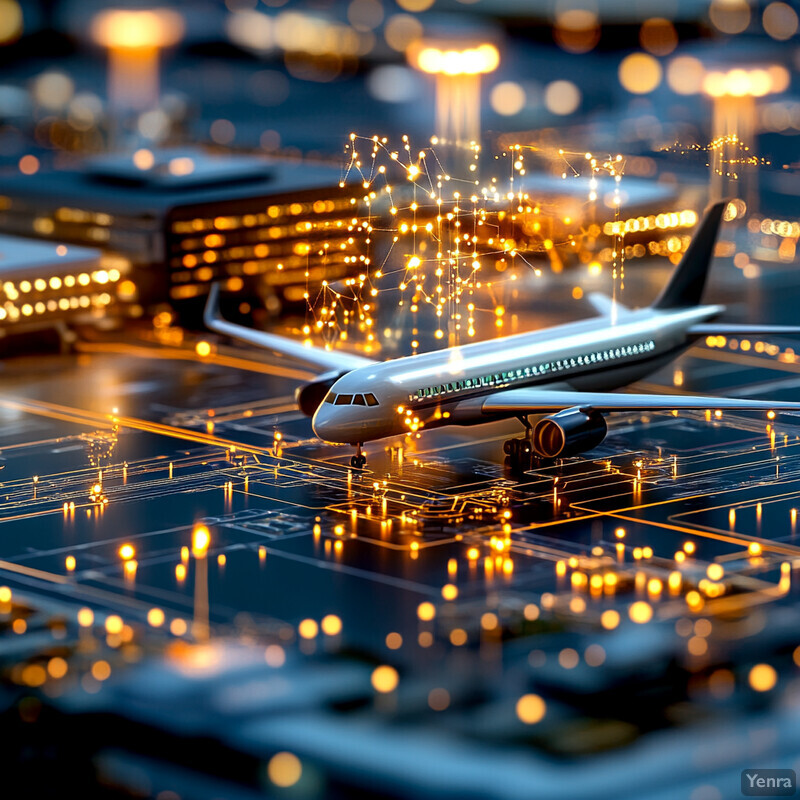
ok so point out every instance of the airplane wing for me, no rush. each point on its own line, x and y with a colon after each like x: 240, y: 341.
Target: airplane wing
x: 545, y: 401
x: 735, y: 329
x: 315, y: 357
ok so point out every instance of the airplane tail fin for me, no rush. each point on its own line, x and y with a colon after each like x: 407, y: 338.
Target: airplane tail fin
x: 685, y: 287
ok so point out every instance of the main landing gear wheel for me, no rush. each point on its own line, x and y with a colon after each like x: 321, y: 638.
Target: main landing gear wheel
x: 520, y: 451
x: 517, y: 447
x: 520, y: 454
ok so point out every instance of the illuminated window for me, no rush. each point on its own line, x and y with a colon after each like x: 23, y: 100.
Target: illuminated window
x: 358, y: 400
x: 329, y: 398
x: 344, y: 400
x: 371, y: 399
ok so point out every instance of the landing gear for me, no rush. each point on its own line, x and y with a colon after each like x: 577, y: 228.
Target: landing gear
x: 359, y: 459
x: 520, y: 452
x: 517, y: 447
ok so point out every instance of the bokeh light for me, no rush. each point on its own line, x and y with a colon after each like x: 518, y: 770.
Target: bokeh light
x: 284, y: 769
x: 365, y: 15
x: 576, y: 30
x: 10, y: 21
x: 658, y: 36
x: 415, y: 5
x: 137, y: 29
x: 762, y: 677
x: 53, y: 90
x: 507, y: 98
x: 780, y: 21
x: 685, y: 75
x: 393, y: 83
x: 468, y: 61
x: 401, y: 31
x: 531, y: 709
x: 730, y: 16
x: 385, y: 679
x: 562, y: 97
x: 640, y: 73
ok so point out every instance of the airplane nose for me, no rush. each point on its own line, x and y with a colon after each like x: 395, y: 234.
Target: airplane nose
x: 321, y: 423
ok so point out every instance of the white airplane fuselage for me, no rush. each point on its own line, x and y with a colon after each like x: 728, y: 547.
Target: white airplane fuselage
x: 447, y: 387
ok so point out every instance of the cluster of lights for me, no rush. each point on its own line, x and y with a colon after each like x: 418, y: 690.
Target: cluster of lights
x: 298, y: 246
x: 296, y: 32
x: 451, y: 237
x: 478, y: 60
x: 590, y: 574
x: 728, y: 153
x: 17, y: 306
x: 745, y: 345
x: 660, y: 222
x: 746, y: 83
x: 786, y: 229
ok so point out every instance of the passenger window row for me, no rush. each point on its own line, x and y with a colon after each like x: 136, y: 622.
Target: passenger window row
x: 548, y: 367
x: 368, y: 399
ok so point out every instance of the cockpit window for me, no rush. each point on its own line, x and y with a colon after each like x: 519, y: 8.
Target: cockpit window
x: 358, y: 400
x: 371, y: 399
x: 329, y: 398
x: 343, y: 400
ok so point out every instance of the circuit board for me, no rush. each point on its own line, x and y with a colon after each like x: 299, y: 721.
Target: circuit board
x: 174, y: 531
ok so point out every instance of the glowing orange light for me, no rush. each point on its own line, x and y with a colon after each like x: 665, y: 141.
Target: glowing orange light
x: 531, y: 709
x: 284, y: 769
x: 113, y: 624
x: 762, y: 677
x: 385, y: 679
x: 137, y: 29
x: 478, y: 60
x: 331, y: 625
x: 155, y: 617
x: 640, y: 612
x: 201, y: 539
x: 308, y: 629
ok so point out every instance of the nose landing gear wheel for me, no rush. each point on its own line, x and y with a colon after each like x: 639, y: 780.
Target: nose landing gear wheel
x: 359, y: 459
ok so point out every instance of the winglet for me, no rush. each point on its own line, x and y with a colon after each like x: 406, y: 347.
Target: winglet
x: 685, y: 287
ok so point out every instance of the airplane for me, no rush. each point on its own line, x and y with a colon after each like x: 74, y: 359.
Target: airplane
x: 564, y: 373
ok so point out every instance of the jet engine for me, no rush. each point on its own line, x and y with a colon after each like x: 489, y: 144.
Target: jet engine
x: 309, y: 396
x: 572, y: 431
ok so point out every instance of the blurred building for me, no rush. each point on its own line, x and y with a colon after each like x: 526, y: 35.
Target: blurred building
x: 184, y: 220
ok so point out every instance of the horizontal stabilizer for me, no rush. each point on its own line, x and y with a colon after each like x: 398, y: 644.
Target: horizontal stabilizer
x: 734, y: 329
x: 546, y: 401
x: 315, y: 357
